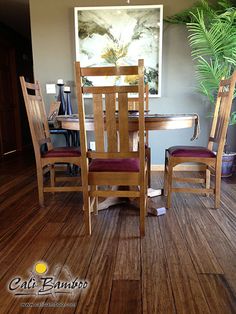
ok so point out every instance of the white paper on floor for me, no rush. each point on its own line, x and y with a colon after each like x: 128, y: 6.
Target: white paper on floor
x: 157, y: 211
x: 154, y: 193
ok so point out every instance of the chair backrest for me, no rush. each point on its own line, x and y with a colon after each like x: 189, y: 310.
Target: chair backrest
x: 222, y: 114
x: 111, y: 126
x: 36, y: 116
x: 133, y: 102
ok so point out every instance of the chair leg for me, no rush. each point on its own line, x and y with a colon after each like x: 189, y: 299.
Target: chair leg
x: 40, y: 186
x: 142, y: 207
x: 169, y: 183
x: 208, y: 180
x: 87, y: 212
x: 142, y: 202
x: 148, y: 155
x: 165, y: 174
x: 146, y: 193
x: 95, y: 200
x: 217, y: 187
x: 52, y: 176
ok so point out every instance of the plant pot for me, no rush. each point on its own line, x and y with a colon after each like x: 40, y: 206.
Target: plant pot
x: 227, y: 164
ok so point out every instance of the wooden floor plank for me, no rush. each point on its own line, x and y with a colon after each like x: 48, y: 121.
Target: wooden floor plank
x: 218, y: 293
x: 128, y: 254
x: 224, y: 253
x: 55, y: 258
x: 125, y: 297
x: 79, y: 259
x: 101, y: 269
x: 201, y: 253
x: 15, y: 182
x: 188, y: 295
x: 226, y: 219
x: 219, y: 243
x: 156, y: 287
x: 17, y: 240
x: 33, y: 253
x: 186, y: 262
x: 22, y: 194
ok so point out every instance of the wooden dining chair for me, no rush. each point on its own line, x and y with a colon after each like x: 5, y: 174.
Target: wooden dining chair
x: 194, y: 154
x: 113, y: 163
x: 46, y: 160
x: 133, y: 105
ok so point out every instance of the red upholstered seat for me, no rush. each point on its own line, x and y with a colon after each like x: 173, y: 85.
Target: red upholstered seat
x: 63, y: 152
x: 190, y: 151
x: 114, y: 165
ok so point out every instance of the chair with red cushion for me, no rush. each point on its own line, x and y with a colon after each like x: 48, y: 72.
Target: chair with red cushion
x: 46, y: 160
x: 114, y: 162
x: 196, y: 154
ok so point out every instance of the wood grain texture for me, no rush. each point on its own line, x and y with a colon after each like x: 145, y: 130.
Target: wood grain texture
x: 202, y: 255
x: 156, y: 285
x: 34, y: 252
x: 184, y: 264
x: 152, y: 122
x: 101, y: 268
x: 196, y: 209
x: 125, y: 297
x: 98, y: 122
x: 111, y: 122
x: 105, y: 71
x: 218, y: 293
x: 123, y: 122
x: 187, y: 292
x: 128, y: 253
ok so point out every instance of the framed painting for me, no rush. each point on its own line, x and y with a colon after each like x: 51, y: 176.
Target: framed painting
x: 120, y: 35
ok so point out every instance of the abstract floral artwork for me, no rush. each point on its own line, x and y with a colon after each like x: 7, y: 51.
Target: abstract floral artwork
x: 108, y: 36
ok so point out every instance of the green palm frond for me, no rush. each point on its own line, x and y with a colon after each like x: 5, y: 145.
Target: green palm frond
x: 185, y: 16
x: 212, y: 38
x: 225, y: 4
x: 209, y: 73
x: 213, y: 47
x: 217, y: 40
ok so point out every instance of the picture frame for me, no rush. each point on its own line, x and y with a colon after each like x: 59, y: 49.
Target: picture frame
x: 120, y: 35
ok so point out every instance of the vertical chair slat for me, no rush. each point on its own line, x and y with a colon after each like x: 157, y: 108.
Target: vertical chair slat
x: 215, y: 119
x: 36, y: 119
x: 110, y: 100
x: 141, y: 116
x: 123, y: 122
x: 98, y: 122
x: 221, y: 119
x: 43, y: 114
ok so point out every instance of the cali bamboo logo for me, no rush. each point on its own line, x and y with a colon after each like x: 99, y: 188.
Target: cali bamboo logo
x: 41, y: 283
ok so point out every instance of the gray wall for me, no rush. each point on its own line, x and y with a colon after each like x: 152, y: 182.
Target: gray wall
x: 52, y: 27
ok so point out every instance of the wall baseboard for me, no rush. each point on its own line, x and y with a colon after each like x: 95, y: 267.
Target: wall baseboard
x: 180, y: 168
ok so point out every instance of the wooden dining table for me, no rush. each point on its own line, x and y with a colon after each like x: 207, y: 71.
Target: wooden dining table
x: 153, y: 122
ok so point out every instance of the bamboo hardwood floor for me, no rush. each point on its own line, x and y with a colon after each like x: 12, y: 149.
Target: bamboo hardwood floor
x: 186, y: 263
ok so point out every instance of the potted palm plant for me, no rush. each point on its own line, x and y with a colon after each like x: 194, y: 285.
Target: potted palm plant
x: 212, y: 40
